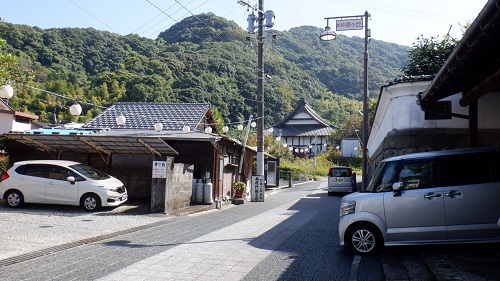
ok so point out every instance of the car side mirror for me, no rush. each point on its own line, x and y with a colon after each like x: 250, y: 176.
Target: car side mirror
x: 71, y: 179
x: 396, y: 188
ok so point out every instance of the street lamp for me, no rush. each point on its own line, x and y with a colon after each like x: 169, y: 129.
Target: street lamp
x: 355, y: 23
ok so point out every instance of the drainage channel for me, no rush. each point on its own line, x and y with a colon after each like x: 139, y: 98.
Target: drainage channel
x: 62, y: 247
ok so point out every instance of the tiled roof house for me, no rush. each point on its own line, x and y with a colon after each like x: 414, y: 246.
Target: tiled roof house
x: 144, y: 115
x: 303, y: 127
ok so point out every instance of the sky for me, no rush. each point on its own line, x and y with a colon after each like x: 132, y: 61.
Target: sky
x: 395, y: 21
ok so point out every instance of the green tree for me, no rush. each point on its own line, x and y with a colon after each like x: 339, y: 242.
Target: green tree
x: 427, y: 55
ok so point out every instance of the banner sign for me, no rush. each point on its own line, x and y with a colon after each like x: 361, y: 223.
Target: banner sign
x: 350, y: 24
x: 257, y: 190
x: 159, y: 169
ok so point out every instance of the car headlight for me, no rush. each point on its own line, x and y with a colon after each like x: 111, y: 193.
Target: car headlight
x: 108, y: 188
x: 347, y: 207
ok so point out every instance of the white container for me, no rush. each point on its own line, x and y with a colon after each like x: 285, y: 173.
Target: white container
x: 193, y: 191
x: 199, y: 191
x: 208, y: 192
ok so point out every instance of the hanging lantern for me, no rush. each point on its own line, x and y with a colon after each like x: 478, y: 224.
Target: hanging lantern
x: 240, y: 127
x: 253, y: 124
x: 158, y: 127
x: 75, y: 109
x: 120, y: 120
x: 186, y: 129
x: 6, y: 91
x: 208, y: 130
x: 278, y: 138
x: 225, y: 129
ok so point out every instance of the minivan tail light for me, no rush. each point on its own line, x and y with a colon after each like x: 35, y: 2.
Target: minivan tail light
x: 350, y: 172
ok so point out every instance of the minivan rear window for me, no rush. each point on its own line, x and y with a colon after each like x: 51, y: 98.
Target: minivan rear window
x: 340, y: 172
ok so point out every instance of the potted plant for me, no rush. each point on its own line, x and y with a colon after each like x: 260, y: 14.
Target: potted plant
x: 240, y: 189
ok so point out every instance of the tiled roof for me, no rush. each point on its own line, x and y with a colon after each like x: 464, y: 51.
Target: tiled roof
x: 143, y: 115
x: 318, y: 126
x: 304, y: 131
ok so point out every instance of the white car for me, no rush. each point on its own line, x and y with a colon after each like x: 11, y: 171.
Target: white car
x: 60, y: 182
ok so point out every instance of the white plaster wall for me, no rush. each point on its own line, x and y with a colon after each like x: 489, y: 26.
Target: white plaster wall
x: 21, y: 126
x: 6, y: 123
x: 398, y: 110
x: 489, y: 114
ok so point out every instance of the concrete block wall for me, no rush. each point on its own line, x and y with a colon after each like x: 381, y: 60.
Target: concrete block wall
x: 182, y: 184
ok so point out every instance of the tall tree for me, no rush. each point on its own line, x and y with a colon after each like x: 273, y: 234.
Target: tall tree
x: 427, y: 55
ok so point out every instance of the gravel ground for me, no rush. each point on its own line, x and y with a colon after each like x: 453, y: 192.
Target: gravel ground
x: 37, y: 227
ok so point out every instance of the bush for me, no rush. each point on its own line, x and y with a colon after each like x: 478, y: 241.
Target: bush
x: 304, y: 168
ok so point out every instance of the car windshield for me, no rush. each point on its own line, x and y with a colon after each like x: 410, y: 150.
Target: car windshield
x: 90, y: 172
x: 382, y: 178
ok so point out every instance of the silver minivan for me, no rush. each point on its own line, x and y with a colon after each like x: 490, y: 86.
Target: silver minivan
x: 424, y: 198
x: 341, y: 179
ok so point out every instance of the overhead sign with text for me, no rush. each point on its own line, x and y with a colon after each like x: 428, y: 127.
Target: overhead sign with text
x: 350, y: 24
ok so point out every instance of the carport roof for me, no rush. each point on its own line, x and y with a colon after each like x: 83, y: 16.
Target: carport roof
x: 109, y: 142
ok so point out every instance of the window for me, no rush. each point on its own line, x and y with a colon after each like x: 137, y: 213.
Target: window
x: 58, y: 173
x: 32, y: 170
x: 90, y: 172
x: 420, y: 174
x: 340, y: 172
x: 382, y: 179
x: 472, y: 168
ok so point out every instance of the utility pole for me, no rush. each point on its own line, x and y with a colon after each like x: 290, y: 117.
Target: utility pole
x: 260, y: 91
x: 258, y: 183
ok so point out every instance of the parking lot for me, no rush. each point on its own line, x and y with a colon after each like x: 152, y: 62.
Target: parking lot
x: 36, y: 227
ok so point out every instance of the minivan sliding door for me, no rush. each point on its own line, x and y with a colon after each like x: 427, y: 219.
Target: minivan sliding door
x: 472, y: 194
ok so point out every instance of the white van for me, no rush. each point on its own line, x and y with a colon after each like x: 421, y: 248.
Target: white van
x: 424, y: 198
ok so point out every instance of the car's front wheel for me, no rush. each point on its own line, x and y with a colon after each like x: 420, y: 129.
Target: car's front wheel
x: 364, y: 239
x: 90, y: 202
x: 14, y: 199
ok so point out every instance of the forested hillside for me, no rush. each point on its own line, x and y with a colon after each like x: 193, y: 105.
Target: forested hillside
x: 189, y: 63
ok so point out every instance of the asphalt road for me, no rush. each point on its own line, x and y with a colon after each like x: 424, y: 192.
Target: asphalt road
x: 302, y: 222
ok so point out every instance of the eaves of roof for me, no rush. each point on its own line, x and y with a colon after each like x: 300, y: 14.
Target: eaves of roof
x: 110, y: 141
x: 473, y: 67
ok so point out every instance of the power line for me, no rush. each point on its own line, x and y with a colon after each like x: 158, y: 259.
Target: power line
x: 215, y: 33
x: 54, y: 94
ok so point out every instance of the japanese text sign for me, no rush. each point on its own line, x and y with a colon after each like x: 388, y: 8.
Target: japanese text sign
x: 160, y: 169
x: 257, y: 190
x: 350, y: 24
